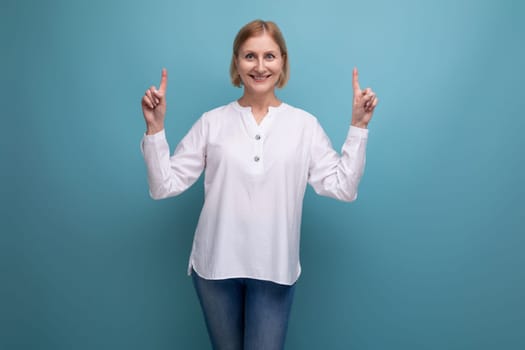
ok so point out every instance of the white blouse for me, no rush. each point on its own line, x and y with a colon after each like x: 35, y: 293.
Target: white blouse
x: 255, y: 180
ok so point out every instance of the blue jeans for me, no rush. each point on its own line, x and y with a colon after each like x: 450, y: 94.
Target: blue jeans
x: 245, y: 313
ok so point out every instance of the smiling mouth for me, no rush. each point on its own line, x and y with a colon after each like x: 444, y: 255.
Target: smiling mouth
x: 260, y: 78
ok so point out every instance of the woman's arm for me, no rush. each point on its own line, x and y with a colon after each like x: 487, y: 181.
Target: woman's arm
x: 334, y: 175
x: 169, y: 176
x: 339, y: 176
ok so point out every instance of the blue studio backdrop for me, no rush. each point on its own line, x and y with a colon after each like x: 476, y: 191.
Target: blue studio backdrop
x: 430, y: 256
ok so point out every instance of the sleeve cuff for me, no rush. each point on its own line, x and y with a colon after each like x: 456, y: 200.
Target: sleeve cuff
x: 160, y: 136
x: 354, y: 131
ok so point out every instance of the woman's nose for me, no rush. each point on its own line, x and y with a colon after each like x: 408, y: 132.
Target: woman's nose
x: 260, y: 65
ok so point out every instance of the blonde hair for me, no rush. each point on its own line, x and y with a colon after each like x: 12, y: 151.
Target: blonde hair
x: 255, y: 28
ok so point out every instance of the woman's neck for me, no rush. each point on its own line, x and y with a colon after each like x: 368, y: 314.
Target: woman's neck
x: 259, y: 103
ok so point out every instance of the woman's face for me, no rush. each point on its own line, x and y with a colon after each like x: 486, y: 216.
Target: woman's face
x: 259, y: 64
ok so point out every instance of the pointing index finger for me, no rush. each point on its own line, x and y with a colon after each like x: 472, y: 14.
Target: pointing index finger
x: 355, y: 81
x: 164, y: 80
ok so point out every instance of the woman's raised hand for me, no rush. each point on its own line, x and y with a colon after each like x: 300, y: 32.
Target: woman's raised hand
x: 154, y: 105
x: 364, y: 103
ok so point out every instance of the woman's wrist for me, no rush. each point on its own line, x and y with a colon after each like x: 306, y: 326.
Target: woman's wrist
x: 361, y: 125
x: 153, y: 129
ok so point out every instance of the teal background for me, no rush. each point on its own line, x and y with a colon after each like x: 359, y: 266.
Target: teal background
x: 429, y: 257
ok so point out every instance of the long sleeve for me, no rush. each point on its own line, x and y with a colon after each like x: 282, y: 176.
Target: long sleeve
x: 334, y: 175
x: 170, y: 176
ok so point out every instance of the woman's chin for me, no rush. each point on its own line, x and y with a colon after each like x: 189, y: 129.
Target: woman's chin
x: 260, y: 88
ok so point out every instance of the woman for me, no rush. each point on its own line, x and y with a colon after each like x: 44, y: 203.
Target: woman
x: 258, y: 154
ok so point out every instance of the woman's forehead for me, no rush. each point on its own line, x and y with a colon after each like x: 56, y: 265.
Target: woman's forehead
x: 263, y: 42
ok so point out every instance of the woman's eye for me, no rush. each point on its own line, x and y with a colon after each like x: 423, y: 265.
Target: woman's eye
x: 270, y: 56
x: 249, y: 56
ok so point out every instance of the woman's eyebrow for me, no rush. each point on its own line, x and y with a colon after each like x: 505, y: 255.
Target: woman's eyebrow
x: 254, y: 52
